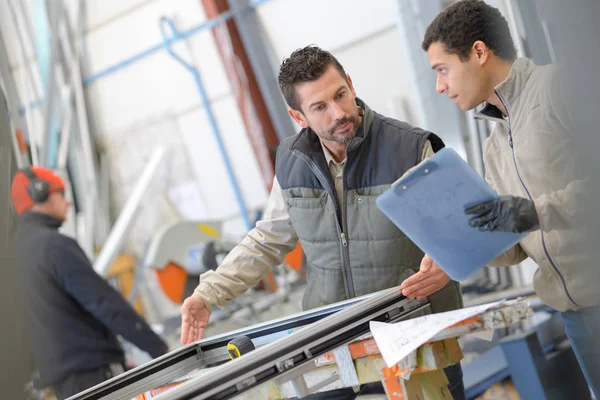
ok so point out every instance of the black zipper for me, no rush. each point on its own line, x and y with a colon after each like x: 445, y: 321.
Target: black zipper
x: 344, y: 240
x: 511, y: 144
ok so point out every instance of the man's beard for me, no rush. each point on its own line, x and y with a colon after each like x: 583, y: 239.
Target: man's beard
x: 344, y: 136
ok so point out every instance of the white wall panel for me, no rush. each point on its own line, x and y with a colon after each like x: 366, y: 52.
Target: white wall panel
x: 377, y: 71
x: 153, y: 85
x: 137, y: 31
x: 8, y: 27
x: 291, y: 24
x: 100, y: 12
x: 206, y: 159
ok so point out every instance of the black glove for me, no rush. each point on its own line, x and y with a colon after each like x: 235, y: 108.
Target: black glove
x: 505, y: 214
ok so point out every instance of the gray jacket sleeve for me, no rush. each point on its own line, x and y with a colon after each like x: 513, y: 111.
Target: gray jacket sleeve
x: 564, y: 208
x: 263, y: 248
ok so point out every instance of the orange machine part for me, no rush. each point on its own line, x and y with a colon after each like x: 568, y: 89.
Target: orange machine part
x: 295, y: 257
x: 172, y: 279
x: 392, y: 384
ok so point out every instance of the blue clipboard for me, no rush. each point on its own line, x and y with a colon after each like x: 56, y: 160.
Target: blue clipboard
x: 428, y: 205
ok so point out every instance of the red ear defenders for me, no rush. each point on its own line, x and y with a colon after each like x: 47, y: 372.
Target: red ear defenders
x: 38, y: 190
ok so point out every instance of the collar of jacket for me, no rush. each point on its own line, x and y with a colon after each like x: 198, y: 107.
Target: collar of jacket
x: 308, y: 142
x: 40, y: 219
x: 509, y: 90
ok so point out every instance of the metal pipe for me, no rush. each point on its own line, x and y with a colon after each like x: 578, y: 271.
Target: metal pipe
x: 97, y: 219
x: 46, y: 31
x: 65, y: 39
x: 27, y: 83
x: 24, y: 30
x: 13, y: 140
x: 82, y: 119
x: 127, y: 216
x: 12, y: 99
x: 67, y: 120
x: 27, y: 28
x: 511, y: 10
x: 104, y: 198
x: 89, y: 223
x: 65, y: 130
x: 28, y: 31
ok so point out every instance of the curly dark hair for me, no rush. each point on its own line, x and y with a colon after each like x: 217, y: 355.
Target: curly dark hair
x: 304, y: 65
x: 467, y: 21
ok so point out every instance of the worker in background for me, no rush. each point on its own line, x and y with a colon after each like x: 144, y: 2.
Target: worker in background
x: 73, y: 314
x: 529, y: 161
x: 327, y: 179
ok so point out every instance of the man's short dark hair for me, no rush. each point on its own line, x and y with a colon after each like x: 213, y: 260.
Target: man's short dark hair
x: 304, y: 65
x: 467, y: 21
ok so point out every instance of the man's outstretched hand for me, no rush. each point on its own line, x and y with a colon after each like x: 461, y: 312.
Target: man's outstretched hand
x: 194, y: 319
x: 426, y: 282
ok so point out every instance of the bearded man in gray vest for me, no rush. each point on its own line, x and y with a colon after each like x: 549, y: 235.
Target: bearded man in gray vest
x: 327, y: 179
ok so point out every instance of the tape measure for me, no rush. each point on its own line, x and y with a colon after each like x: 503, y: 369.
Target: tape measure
x: 239, y: 346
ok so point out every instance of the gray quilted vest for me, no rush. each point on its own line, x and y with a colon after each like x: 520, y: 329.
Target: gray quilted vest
x: 352, y: 249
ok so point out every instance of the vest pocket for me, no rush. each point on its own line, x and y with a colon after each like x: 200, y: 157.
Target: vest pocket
x: 306, y: 202
x: 311, y: 219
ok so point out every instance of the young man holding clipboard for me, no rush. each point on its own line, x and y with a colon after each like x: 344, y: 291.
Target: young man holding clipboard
x: 529, y: 161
